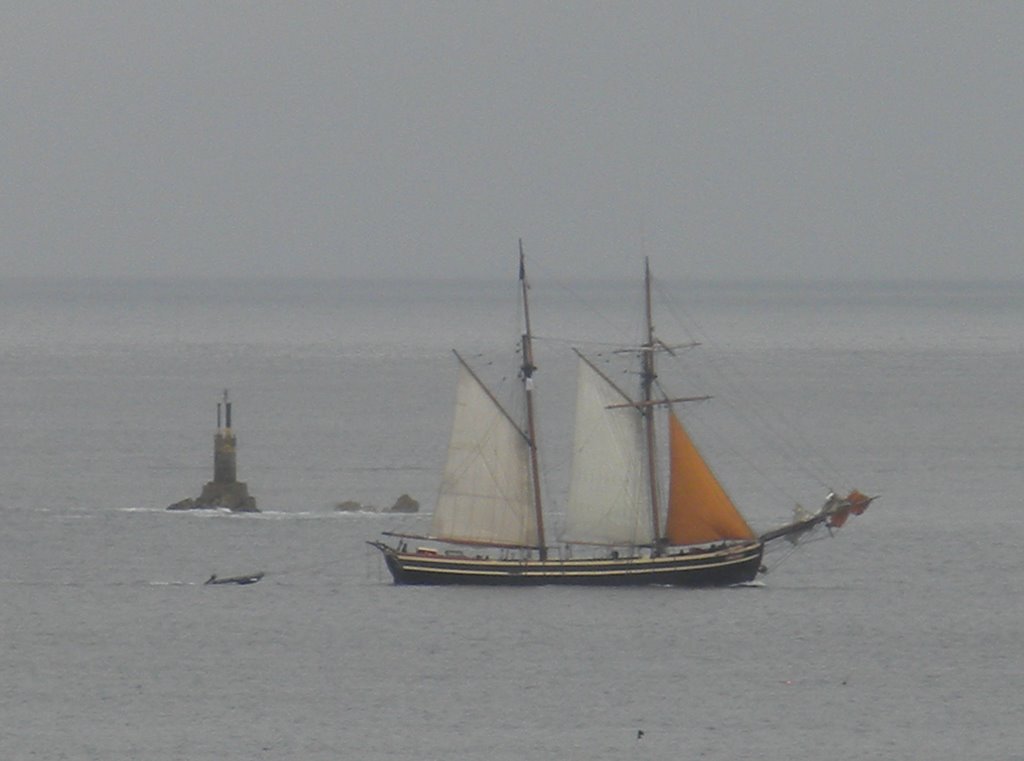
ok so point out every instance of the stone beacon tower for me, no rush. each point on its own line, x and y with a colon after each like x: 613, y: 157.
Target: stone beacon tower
x: 224, y: 443
x: 224, y: 491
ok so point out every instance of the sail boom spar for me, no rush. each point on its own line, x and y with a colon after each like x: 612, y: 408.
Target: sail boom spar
x: 658, y: 345
x: 660, y: 402
x: 606, y: 379
x: 582, y: 543
x: 497, y: 404
x: 465, y: 542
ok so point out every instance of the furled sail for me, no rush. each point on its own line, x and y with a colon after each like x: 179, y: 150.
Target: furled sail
x: 608, y: 501
x: 855, y: 503
x: 699, y: 510
x: 485, y: 489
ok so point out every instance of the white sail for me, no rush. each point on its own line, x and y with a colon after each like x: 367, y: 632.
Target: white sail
x: 608, y: 492
x: 485, y: 491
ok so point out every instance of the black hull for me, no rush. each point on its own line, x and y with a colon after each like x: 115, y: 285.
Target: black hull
x: 719, y: 568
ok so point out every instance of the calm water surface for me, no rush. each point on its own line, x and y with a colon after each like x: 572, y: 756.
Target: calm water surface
x: 898, y: 639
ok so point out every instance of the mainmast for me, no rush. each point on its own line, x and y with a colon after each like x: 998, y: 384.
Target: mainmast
x: 527, y: 374
x: 648, y: 376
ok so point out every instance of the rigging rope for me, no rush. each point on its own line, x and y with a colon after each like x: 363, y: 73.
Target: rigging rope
x: 726, y: 372
x: 772, y: 546
x: 303, y: 568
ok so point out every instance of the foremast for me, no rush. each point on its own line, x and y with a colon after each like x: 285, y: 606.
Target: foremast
x: 648, y: 377
x: 526, y: 373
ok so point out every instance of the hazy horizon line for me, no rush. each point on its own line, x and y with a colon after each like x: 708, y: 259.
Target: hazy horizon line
x: 721, y: 280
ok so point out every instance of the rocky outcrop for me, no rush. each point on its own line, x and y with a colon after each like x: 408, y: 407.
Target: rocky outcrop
x: 351, y: 506
x: 405, y: 504
x: 234, y: 497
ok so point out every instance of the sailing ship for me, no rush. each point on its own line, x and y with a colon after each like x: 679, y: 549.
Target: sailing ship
x: 488, y: 525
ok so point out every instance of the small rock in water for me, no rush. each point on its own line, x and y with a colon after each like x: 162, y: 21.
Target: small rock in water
x: 405, y: 504
x: 351, y: 506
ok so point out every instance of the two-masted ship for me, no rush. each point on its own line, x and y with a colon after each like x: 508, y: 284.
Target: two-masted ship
x: 488, y: 525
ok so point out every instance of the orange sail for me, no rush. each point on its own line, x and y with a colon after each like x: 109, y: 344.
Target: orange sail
x: 839, y: 517
x: 854, y: 504
x: 699, y: 510
x: 858, y: 502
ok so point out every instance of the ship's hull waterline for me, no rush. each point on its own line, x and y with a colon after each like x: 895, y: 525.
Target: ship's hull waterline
x: 724, y: 567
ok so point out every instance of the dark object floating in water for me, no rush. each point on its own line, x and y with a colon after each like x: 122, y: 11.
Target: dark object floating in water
x: 250, y: 579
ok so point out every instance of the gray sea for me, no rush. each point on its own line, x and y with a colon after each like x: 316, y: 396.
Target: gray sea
x: 899, y: 638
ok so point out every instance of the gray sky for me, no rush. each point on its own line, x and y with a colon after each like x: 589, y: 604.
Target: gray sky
x: 817, y: 140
